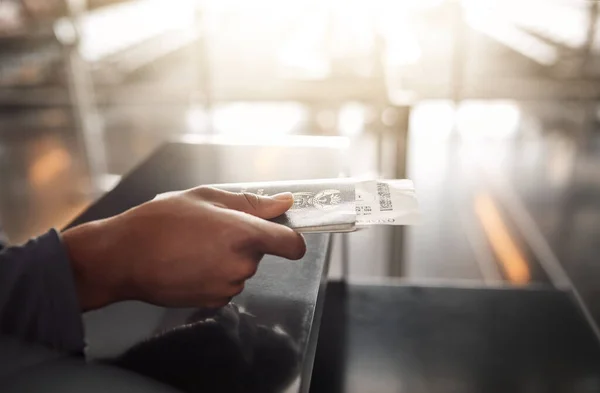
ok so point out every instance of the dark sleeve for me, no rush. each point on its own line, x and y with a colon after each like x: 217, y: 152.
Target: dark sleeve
x: 38, y: 301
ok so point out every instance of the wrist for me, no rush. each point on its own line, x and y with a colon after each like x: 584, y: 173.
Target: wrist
x: 96, y: 283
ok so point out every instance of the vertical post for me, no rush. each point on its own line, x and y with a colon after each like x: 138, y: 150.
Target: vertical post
x: 401, y: 128
x: 345, y: 246
x: 83, y: 102
x: 591, y: 35
x: 202, y: 58
x: 3, y: 238
x: 459, y: 53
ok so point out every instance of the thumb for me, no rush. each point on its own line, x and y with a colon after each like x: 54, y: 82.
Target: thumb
x: 260, y: 206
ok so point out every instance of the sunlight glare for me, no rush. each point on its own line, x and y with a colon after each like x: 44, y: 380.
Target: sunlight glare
x: 491, y: 119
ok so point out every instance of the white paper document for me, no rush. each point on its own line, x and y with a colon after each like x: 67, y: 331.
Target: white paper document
x: 386, y: 202
x: 339, y: 205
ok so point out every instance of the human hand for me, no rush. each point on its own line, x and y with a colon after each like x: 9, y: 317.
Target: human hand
x: 191, y: 249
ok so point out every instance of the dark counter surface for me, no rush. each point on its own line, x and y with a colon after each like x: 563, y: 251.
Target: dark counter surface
x: 418, y: 339
x: 386, y: 338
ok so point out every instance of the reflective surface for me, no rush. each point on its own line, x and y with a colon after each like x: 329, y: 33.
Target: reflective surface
x: 284, y: 297
x: 384, y: 338
x: 225, y: 350
x: 28, y: 368
x: 228, y: 350
x: 556, y: 182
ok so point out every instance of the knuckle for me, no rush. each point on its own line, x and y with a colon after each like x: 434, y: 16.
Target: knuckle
x: 201, y: 190
x: 204, y: 191
x: 253, y: 200
x: 248, y: 269
x: 299, y: 247
x: 238, y: 288
x: 247, y: 238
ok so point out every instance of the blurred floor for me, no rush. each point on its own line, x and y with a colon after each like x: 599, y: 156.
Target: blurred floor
x: 42, y: 183
x: 466, y: 232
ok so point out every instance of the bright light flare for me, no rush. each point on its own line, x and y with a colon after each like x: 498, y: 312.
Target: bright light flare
x: 507, y: 251
x: 488, y: 120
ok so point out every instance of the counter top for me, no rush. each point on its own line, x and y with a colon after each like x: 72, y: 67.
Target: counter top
x: 427, y: 339
x: 281, y: 301
x: 390, y: 338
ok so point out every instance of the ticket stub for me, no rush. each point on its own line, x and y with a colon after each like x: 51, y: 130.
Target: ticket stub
x: 386, y: 202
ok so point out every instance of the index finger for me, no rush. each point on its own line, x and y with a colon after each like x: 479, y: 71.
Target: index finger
x: 276, y: 239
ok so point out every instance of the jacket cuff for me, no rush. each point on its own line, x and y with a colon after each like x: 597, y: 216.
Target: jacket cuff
x: 62, y: 310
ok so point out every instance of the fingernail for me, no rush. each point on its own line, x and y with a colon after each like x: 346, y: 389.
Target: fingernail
x: 284, y: 196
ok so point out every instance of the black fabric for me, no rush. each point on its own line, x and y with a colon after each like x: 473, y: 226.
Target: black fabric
x: 38, y: 301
